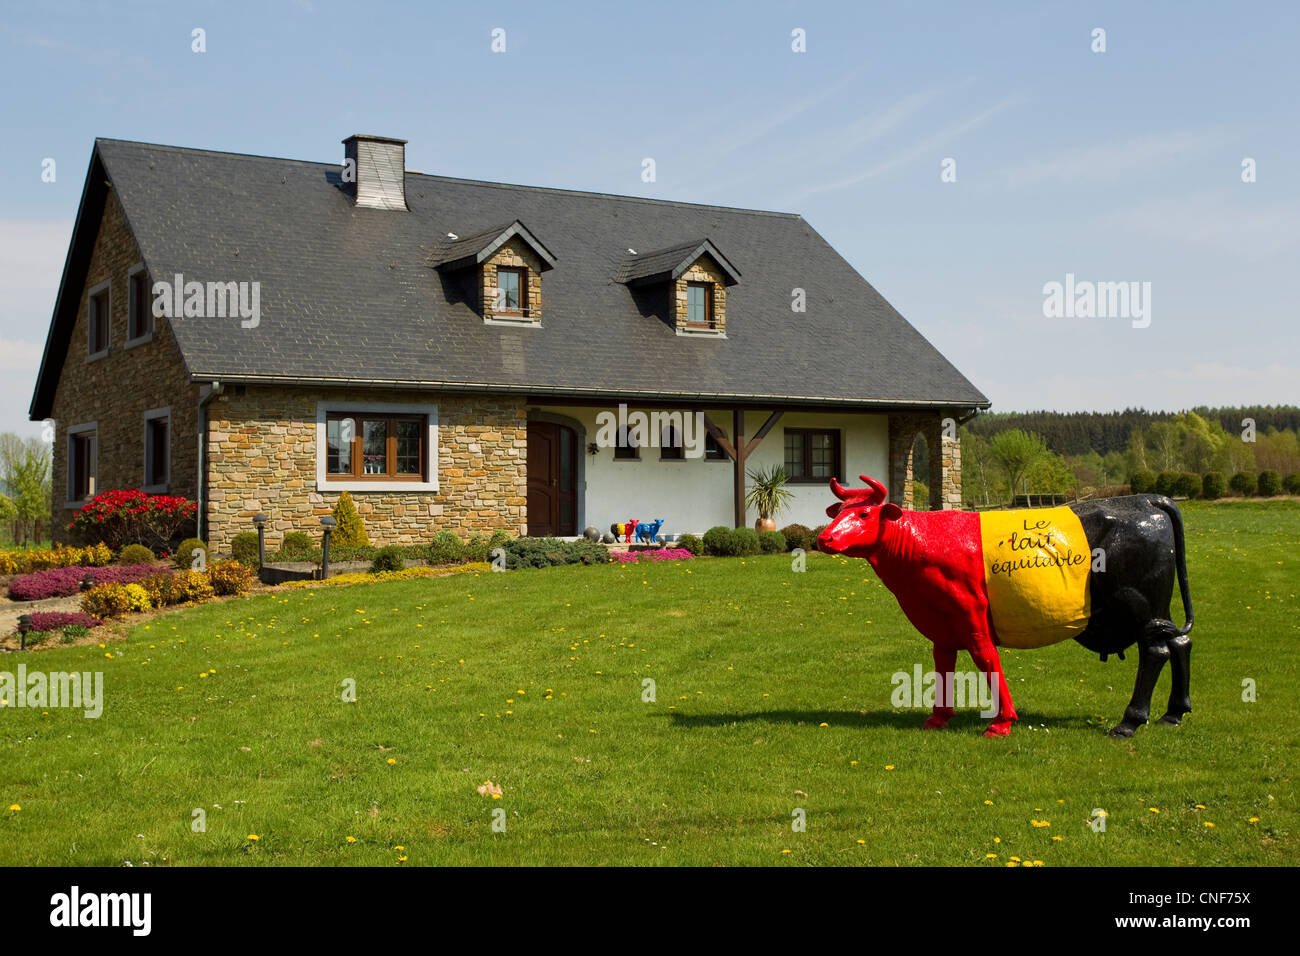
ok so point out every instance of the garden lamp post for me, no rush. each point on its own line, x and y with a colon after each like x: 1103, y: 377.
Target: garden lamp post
x: 327, y: 524
x: 24, y: 625
x: 259, y: 519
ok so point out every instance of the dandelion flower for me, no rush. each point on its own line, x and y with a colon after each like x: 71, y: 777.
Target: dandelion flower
x: 14, y: 808
x: 392, y: 760
x: 254, y: 837
x: 352, y: 839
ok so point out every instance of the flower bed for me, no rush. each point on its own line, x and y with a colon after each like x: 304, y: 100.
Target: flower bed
x: 661, y: 554
x: 58, y: 620
x: 65, y: 582
x: 64, y: 556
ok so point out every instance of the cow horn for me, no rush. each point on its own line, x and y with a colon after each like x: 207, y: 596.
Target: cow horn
x: 839, y: 491
x: 875, y: 486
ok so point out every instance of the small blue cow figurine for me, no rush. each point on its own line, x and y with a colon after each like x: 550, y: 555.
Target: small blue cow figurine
x: 647, y: 532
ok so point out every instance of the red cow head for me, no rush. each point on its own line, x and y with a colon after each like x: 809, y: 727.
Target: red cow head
x: 857, y: 520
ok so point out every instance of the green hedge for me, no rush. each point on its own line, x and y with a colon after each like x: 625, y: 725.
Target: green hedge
x: 549, y: 552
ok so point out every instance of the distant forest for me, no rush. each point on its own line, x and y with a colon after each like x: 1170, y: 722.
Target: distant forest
x: 1077, y: 433
x: 1244, y: 450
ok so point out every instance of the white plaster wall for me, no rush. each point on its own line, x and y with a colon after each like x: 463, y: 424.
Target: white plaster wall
x: 695, y: 494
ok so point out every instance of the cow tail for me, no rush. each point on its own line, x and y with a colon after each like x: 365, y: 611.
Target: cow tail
x: 1180, y: 557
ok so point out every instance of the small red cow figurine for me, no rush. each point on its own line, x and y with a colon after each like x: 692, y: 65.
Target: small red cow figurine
x: 1101, y: 572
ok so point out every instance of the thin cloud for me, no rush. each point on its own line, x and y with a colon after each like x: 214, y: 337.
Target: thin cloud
x: 1111, y: 160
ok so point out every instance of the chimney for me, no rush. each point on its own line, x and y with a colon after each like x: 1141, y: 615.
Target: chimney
x: 374, y: 171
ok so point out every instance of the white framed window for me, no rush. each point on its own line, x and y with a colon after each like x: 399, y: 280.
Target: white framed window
x: 99, y: 324
x: 378, y: 453
x: 83, y: 463
x: 157, y: 450
x: 139, y: 310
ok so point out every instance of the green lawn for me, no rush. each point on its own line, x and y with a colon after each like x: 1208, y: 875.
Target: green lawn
x: 773, y: 694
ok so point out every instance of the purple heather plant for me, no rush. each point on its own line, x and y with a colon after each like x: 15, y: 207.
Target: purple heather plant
x: 65, y: 582
x: 58, y: 620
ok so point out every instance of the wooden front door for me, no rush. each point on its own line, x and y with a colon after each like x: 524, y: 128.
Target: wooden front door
x: 552, y: 480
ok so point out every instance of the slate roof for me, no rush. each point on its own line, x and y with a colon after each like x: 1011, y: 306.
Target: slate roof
x: 348, y: 294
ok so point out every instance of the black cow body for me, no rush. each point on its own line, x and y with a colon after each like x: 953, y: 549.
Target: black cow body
x: 1141, y: 542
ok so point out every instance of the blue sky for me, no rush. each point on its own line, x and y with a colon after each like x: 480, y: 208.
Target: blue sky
x: 1123, y: 165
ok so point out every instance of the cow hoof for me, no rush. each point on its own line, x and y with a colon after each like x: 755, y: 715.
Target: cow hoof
x: 935, y: 723
x: 999, y: 729
x: 1123, y: 730
x: 1171, y: 720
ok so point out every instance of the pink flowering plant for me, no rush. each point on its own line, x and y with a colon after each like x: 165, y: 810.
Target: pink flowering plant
x: 65, y: 582
x: 58, y: 620
x: 132, y: 517
x: 660, y: 554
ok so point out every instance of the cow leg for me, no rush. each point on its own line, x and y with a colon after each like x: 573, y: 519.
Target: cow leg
x: 986, y: 659
x: 1180, y: 664
x: 1155, y: 651
x: 945, y: 662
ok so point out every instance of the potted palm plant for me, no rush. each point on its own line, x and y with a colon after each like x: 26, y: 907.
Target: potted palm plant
x: 768, y: 495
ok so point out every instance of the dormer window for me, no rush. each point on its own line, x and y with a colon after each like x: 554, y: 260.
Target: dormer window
x: 695, y: 277
x: 699, y: 305
x: 505, y: 264
x: 512, y: 291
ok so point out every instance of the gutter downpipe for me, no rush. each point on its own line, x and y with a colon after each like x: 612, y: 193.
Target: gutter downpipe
x: 206, y: 394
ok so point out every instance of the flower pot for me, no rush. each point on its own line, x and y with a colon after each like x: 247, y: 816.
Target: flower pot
x: 765, y: 524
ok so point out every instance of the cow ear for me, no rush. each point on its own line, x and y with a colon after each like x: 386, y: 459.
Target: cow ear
x: 891, y: 512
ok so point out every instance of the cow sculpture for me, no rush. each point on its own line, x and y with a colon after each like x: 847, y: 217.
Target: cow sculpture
x: 1101, y: 572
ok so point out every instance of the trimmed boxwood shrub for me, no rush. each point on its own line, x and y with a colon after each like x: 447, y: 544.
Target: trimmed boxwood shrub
x: 183, y: 559
x: 1142, y: 482
x: 1291, y: 483
x: 798, y: 536
x: 244, y: 548
x: 135, y: 554
x: 1187, y: 485
x: 1243, y: 483
x: 745, y: 541
x: 1165, y: 482
x: 771, y: 542
x: 691, y: 543
x: 1213, y: 485
x: 297, y: 542
x: 447, y: 548
x: 718, y: 541
x: 390, y: 558
x: 548, y: 552
x: 1270, y: 484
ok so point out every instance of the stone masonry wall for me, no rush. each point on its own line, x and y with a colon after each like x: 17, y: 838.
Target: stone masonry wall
x: 262, y: 449
x: 514, y: 254
x: 944, y: 480
x: 116, y: 390
x: 704, y: 269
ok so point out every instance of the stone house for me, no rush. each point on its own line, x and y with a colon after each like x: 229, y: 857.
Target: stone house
x: 260, y: 334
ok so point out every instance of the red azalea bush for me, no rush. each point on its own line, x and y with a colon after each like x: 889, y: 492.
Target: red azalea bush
x: 133, y: 517
x: 65, y: 582
x: 58, y: 620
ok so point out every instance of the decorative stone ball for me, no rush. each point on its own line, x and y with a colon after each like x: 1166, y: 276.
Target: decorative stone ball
x: 591, y: 533
x: 608, y: 538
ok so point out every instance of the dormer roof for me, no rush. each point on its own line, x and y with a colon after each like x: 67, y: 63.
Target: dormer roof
x: 664, y: 265
x: 466, y: 251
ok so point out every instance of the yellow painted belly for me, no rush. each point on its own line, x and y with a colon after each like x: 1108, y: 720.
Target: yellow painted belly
x: 1036, y: 566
